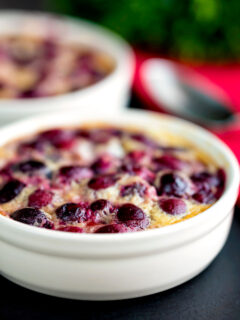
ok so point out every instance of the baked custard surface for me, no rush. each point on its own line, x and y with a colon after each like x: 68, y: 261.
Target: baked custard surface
x: 102, y: 179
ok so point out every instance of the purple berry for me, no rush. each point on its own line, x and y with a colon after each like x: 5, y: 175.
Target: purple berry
x: 102, y: 182
x: 73, y: 229
x: 145, y: 140
x: 168, y: 161
x: 48, y: 225
x: 131, y: 189
x: 172, y: 149
x: 83, y: 133
x: 69, y: 173
x: 204, y: 177
x: 172, y: 184
x: 22, y: 57
x: 40, y: 198
x: 204, y: 196
x: 32, y: 216
x: 173, y: 206
x: 6, y: 171
x: 112, y: 228
x: 11, y: 190
x: 37, y: 145
x: 209, y: 186
x: 135, y: 169
x: 99, y: 135
x: 136, y: 155
x: 62, y: 139
x: 71, y: 212
x: 99, y: 205
x: 28, y: 94
x: 30, y: 166
x: 132, y: 216
x: 102, y: 165
x: 50, y: 49
x: 221, y: 175
x: 129, y: 211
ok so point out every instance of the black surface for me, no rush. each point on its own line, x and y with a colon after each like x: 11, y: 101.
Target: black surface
x: 214, y: 294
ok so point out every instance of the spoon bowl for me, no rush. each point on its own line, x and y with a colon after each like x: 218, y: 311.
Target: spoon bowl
x: 179, y: 92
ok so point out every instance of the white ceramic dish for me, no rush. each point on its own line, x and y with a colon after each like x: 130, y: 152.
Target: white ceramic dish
x: 109, y: 94
x: 118, y: 266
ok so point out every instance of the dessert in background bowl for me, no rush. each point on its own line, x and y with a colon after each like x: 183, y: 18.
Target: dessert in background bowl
x: 32, y: 67
x: 51, y: 63
x: 85, y: 197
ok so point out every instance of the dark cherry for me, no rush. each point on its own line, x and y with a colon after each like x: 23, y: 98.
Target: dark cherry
x: 200, y: 178
x: 172, y: 149
x: 112, y: 228
x: 129, y: 211
x: 23, y: 57
x: 130, y: 168
x: 74, y: 229
x: 83, y: 133
x: 75, y: 173
x: 48, y: 225
x: 168, y: 161
x: 173, y: 206
x: 141, y: 171
x: 204, y: 196
x: 62, y: 139
x: 136, y: 155
x: 32, y: 216
x: 145, y: 140
x: 173, y: 185
x: 95, y: 135
x: 30, y: 166
x: 11, y: 190
x: 73, y: 212
x: 50, y: 49
x: 101, y: 165
x: 131, y: 189
x: 102, y: 182
x: 40, y: 198
x: 37, y: 145
x: 99, y: 205
x: 132, y: 216
x: 28, y: 94
x: 209, y: 186
x: 99, y: 135
x: 6, y: 171
x: 221, y: 175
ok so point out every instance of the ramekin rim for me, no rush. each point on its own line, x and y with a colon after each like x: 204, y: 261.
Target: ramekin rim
x: 231, y: 189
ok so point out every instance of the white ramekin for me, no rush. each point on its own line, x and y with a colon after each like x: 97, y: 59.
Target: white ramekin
x: 118, y: 266
x: 110, y: 94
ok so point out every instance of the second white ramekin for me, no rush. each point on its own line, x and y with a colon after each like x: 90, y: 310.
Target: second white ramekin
x: 110, y: 94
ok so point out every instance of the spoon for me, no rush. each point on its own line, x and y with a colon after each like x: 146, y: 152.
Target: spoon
x: 179, y: 92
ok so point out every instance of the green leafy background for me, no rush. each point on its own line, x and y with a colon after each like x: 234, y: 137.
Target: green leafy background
x: 186, y: 29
